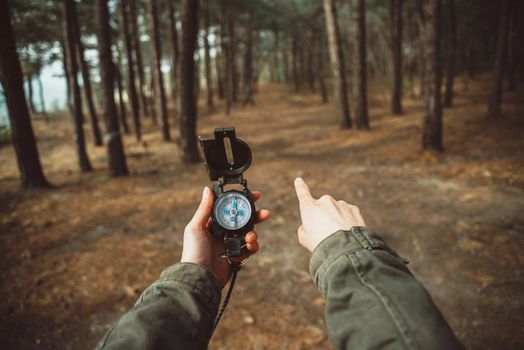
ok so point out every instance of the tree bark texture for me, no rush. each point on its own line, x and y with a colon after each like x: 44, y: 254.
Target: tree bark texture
x: 160, y: 94
x: 310, y: 63
x: 218, y: 68
x: 151, y: 93
x: 22, y: 135
x: 285, y: 58
x: 71, y: 47
x: 360, y: 74
x: 188, y: 106
x: 207, y: 56
x: 30, y: 99
x: 226, y: 58
x: 115, y: 151
x: 396, y: 52
x: 432, y: 128
x: 451, y: 48
x: 276, y: 61
x: 93, y: 116
x: 513, y: 47
x: 43, y: 109
x: 121, y: 103
x: 175, y: 54
x: 138, y: 55
x: 321, y: 70
x: 295, y: 63
x: 69, y: 101
x: 131, y: 87
x: 495, y: 97
x: 248, y: 63
x: 233, y: 54
x: 337, y: 65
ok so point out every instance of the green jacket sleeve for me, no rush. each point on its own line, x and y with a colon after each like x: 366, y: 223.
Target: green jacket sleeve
x: 372, y: 299
x: 175, y: 312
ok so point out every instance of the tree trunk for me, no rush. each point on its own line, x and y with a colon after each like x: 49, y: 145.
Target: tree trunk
x: 160, y: 95
x: 121, y: 103
x: 218, y: 69
x: 197, y: 72
x: 233, y: 55
x: 518, y: 47
x: 188, y: 110
x: 513, y: 47
x: 207, y: 57
x: 232, y: 46
x: 337, y: 65
x: 321, y: 73
x: 226, y: 58
x: 276, y: 62
x: 69, y: 101
x: 450, y: 53
x: 295, y: 63
x: 131, y: 88
x: 115, y: 150
x: 30, y: 98
x: 138, y: 54
x: 22, y: 135
x: 43, y: 109
x: 414, y: 57
x: 495, y: 98
x: 302, y: 70
x: 310, y: 63
x: 248, y: 63
x: 360, y: 73
x: 69, y: 34
x: 175, y: 54
x: 151, y: 93
x: 471, y: 56
x: 396, y: 51
x: 95, y: 128
x: 285, y: 58
x: 432, y: 129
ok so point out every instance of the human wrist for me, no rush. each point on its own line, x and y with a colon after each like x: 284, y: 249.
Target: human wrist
x: 334, y: 246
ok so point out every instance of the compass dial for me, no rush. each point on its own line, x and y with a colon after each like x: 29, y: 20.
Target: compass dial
x: 232, y: 210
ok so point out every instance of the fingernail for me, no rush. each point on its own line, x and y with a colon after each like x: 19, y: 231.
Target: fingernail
x: 204, y: 192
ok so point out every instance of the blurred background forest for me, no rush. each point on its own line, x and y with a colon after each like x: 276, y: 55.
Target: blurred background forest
x: 411, y: 109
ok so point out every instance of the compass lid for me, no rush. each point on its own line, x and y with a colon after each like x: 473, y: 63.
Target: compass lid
x: 226, y: 156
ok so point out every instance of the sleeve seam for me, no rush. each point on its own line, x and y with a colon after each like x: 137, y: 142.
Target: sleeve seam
x: 192, y: 287
x: 355, y: 263
x: 328, y: 263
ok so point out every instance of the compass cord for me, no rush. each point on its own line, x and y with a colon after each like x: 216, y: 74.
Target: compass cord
x: 235, y: 268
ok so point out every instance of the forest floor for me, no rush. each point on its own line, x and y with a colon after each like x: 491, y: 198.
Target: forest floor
x: 74, y: 257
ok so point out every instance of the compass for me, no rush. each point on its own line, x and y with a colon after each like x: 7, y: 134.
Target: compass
x: 233, y: 216
x: 232, y: 210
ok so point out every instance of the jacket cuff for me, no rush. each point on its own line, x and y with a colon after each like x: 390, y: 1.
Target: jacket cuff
x: 197, y: 279
x: 341, y: 243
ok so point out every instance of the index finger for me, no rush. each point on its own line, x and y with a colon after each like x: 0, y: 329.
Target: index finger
x: 302, y: 190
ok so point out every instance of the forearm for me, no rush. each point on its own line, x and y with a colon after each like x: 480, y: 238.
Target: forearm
x: 372, y: 299
x: 175, y: 312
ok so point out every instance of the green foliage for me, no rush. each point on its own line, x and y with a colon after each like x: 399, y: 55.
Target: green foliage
x: 37, y: 27
x: 36, y: 21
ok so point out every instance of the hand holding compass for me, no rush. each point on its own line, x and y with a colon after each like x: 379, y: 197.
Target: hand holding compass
x: 202, y: 248
x: 221, y: 230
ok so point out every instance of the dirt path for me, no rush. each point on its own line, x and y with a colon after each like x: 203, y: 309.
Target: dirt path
x: 76, y: 256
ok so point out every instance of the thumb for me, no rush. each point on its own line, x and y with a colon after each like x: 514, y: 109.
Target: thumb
x: 203, y: 212
x: 302, y: 190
